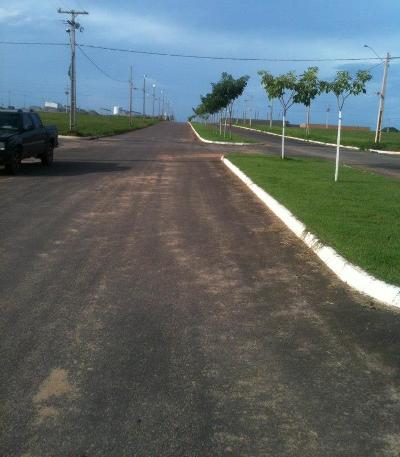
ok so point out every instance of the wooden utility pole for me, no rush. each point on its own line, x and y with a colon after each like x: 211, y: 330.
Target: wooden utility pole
x: 73, y: 26
x: 382, y: 93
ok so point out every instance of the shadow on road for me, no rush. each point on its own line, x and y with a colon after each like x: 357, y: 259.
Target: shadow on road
x: 67, y: 168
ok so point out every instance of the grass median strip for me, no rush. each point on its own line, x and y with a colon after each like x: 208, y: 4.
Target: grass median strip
x: 358, y: 138
x: 211, y: 132
x: 359, y: 216
x: 95, y: 125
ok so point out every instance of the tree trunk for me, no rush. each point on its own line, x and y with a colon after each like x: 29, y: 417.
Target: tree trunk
x: 339, y: 131
x: 225, y: 121
x: 308, y: 121
x: 230, y: 121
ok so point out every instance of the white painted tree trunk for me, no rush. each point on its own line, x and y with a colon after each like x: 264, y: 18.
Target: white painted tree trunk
x: 339, y: 131
x: 283, y: 134
x: 225, y: 122
x: 308, y: 121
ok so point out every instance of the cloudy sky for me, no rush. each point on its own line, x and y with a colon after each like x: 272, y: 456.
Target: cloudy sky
x: 252, y: 29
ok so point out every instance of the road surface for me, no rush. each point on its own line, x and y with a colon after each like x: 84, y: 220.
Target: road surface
x: 152, y: 307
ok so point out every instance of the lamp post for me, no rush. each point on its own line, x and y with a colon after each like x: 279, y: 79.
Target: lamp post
x: 154, y: 97
x: 328, y: 108
x: 144, y: 95
x: 382, y: 93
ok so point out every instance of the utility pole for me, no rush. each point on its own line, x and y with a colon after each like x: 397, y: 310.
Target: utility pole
x: 382, y: 93
x: 73, y: 26
x: 378, y: 133
x: 159, y: 103
x: 163, y: 104
x: 130, y: 96
x: 154, y: 98
x: 144, y: 96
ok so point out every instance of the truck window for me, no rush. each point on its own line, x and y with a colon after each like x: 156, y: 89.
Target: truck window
x: 36, y: 121
x: 27, y: 121
x: 9, y: 121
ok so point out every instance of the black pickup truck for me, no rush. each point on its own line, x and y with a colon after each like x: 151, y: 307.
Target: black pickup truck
x: 23, y: 135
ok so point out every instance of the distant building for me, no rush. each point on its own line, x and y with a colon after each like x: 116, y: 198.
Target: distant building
x: 52, y: 106
x: 116, y: 110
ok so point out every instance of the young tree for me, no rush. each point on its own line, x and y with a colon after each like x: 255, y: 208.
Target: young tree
x: 284, y: 88
x: 342, y: 87
x: 227, y: 90
x: 221, y: 98
x: 308, y: 88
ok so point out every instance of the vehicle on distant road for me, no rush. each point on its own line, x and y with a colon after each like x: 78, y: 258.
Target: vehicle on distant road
x: 22, y: 135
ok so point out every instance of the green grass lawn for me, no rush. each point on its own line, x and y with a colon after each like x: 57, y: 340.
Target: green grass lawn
x: 359, y: 216
x: 361, y: 139
x: 92, y: 125
x: 211, y: 132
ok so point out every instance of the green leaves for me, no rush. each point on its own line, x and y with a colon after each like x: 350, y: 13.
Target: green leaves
x: 308, y: 87
x: 277, y: 86
x: 290, y: 89
x: 345, y: 85
x: 223, y: 94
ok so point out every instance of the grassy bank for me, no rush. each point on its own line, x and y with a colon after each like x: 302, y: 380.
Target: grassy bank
x: 92, y: 125
x: 361, y: 139
x: 211, y: 132
x: 358, y: 216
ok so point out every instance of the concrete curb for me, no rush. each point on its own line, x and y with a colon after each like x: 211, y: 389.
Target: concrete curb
x: 379, y: 151
x: 354, y: 148
x: 351, y: 274
x: 226, y: 143
x: 72, y: 137
x: 86, y: 138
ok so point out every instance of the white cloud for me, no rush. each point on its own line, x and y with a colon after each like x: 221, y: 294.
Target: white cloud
x: 8, y: 16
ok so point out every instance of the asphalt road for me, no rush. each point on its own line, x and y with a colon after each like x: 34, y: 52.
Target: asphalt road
x: 388, y: 165
x: 152, y: 307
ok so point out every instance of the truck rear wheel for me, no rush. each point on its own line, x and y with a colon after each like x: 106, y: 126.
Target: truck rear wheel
x: 48, y: 157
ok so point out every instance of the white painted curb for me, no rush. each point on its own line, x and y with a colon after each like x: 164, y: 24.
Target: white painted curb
x: 217, y: 142
x: 70, y: 137
x: 354, y: 148
x: 73, y: 137
x: 351, y: 274
x: 379, y: 151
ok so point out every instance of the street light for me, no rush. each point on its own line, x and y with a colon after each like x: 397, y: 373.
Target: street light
x: 154, y: 97
x: 328, y: 108
x: 159, y: 103
x: 382, y: 93
x: 144, y: 95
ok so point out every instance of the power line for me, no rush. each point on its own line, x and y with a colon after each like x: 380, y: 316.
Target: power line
x: 194, y: 56
x: 34, y: 43
x: 98, y: 66
x: 251, y: 59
